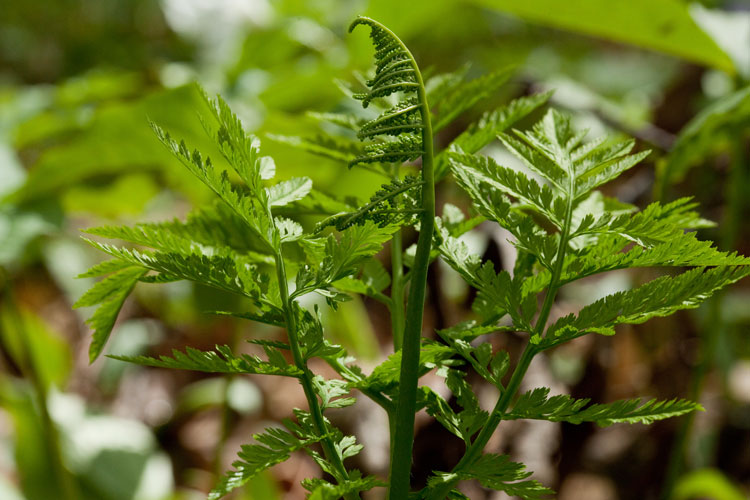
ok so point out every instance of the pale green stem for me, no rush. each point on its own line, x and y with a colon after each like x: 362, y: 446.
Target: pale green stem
x: 403, y: 437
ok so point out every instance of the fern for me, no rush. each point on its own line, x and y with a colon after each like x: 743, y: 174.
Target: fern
x: 253, y: 242
x: 538, y: 405
x: 220, y: 361
x: 213, y: 248
x: 275, y: 446
x: 570, y: 231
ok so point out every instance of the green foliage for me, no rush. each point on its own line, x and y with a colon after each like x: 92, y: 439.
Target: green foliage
x: 253, y: 241
x: 109, y: 294
x: 666, y: 25
x: 538, y: 405
x: 497, y: 472
x: 275, y: 446
x: 564, y: 231
x: 709, y: 131
x: 222, y: 360
x: 394, y: 203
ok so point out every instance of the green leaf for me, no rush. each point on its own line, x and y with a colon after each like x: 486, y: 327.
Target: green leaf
x: 110, y: 294
x: 662, y: 25
x: 660, y: 297
x: 252, y: 209
x: 703, y: 134
x: 289, y: 191
x: 493, y: 471
x: 331, y: 392
x: 466, y: 95
x: 404, y: 117
x: 394, y: 203
x: 513, y: 183
x: 226, y: 273
x: 480, y: 133
x: 613, y: 252
x: 373, y: 281
x: 538, y: 405
x: 342, y: 257
x: 656, y: 224
x: 222, y: 360
x: 385, y: 376
x: 323, y: 490
x: 275, y: 446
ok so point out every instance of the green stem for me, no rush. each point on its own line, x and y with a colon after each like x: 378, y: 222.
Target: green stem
x: 474, y: 451
x: 403, y: 437
x: 397, y: 284
x: 307, y: 376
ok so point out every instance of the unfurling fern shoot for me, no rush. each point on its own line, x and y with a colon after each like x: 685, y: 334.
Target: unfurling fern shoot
x: 410, y: 121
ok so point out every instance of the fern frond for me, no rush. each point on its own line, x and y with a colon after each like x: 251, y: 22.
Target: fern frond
x: 482, y: 132
x: 406, y: 147
x: 513, y: 183
x: 466, y: 95
x: 537, y: 404
x: 109, y: 294
x: 275, y: 446
x: 222, y: 360
x: 394, y: 203
x: 660, y: 297
x: 492, y: 471
x: 395, y: 69
x: 404, y: 123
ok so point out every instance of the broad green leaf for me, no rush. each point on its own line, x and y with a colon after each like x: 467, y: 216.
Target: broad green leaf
x: 661, y: 25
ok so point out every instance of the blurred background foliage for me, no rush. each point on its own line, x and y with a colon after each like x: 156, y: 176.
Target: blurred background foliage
x: 79, y: 80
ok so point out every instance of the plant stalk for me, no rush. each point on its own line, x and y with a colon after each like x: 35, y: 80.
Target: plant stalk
x: 306, y: 378
x: 474, y: 451
x: 397, y: 284
x: 403, y: 438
